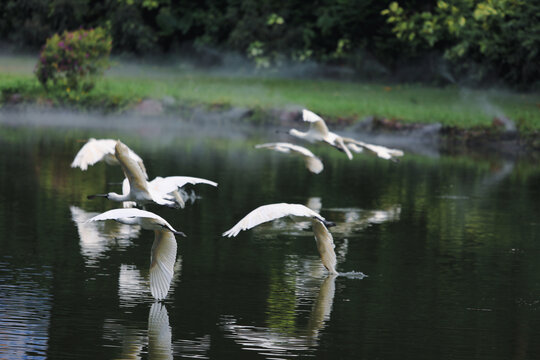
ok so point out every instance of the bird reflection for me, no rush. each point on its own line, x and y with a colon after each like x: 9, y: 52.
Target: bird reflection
x: 96, y: 238
x: 131, y: 283
x: 274, y: 342
x: 351, y: 220
x: 156, y: 339
x: 159, y: 333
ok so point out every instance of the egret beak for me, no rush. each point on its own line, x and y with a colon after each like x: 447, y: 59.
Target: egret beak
x: 329, y: 224
x: 179, y: 233
x: 89, y: 197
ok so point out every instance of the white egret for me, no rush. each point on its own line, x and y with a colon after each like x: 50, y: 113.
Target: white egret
x: 318, y: 131
x: 313, y: 163
x: 139, y: 191
x: 298, y: 212
x: 163, y: 255
x: 102, y: 150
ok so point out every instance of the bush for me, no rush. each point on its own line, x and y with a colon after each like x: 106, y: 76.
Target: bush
x: 73, y: 60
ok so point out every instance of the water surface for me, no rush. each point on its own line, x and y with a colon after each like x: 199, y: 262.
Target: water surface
x: 449, y: 244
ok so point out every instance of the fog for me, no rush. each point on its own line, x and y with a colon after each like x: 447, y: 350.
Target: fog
x: 230, y: 122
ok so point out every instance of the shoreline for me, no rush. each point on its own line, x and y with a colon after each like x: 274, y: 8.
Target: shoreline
x: 445, y: 139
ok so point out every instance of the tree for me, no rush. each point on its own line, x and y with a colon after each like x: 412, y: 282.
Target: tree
x: 503, y: 36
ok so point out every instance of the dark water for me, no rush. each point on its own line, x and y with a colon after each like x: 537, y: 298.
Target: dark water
x: 450, y: 246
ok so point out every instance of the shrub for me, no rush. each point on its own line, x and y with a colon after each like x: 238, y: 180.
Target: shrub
x: 73, y: 60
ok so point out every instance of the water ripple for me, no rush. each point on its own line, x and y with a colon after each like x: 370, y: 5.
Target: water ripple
x: 24, y: 315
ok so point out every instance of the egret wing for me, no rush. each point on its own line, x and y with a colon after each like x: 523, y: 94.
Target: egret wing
x: 132, y: 169
x: 92, y: 152
x: 325, y: 245
x: 162, y: 263
x: 317, y: 123
x: 270, y: 212
x: 381, y: 151
x: 281, y: 147
x: 171, y: 183
x: 118, y: 214
x: 297, y: 149
x: 314, y: 164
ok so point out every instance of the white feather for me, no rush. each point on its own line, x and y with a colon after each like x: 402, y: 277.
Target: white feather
x: 101, y: 150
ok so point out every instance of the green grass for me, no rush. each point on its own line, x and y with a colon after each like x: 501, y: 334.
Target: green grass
x: 334, y: 99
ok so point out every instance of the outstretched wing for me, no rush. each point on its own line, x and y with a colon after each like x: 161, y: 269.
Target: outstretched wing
x: 163, y: 258
x: 129, y: 216
x: 317, y: 124
x: 92, y: 152
x: 380, y: 151
x: 278, y: 146
x: 171, y: 183
x: 115, y: 214
x: 325, y: 245
x: 270, y: 212
x: 313, y: 163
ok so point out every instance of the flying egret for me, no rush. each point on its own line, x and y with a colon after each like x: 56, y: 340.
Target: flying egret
x: 318, y: 131
x: 163, y: 255
x: 313, y: 163
x: 298, y: 212
x: 102, y: 150
x: 139, y: 191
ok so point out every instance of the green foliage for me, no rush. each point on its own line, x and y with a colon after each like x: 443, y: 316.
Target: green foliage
x: 485, y: 36
x: 501, y: 35
x: 73, y: 60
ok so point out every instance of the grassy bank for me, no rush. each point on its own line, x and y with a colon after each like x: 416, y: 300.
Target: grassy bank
x: 127, y: 84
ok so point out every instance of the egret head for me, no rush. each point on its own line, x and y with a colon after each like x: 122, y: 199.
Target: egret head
x: 296, y: 133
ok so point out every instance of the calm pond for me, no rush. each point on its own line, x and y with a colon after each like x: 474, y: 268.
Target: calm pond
x: 450, y: 247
